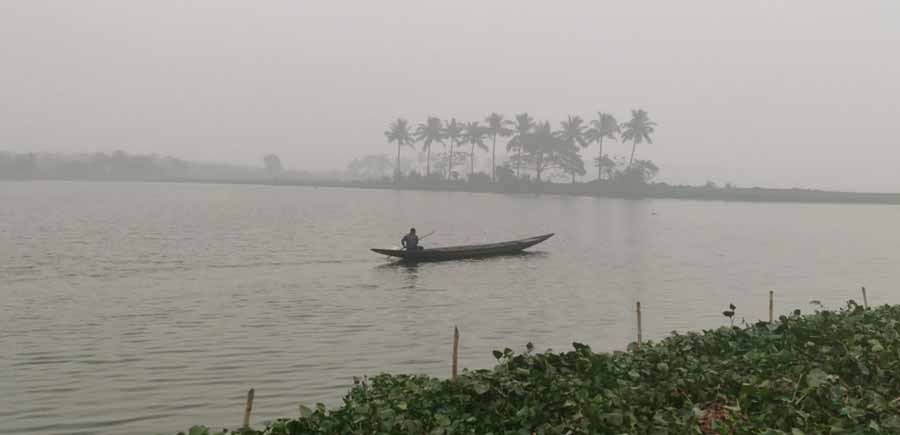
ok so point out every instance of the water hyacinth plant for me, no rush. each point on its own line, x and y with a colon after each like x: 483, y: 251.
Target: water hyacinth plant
x: 830, y: 372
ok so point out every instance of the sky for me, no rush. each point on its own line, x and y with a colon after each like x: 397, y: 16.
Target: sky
x: 800, y: 93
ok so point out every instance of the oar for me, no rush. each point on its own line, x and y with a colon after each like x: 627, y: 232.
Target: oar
x: 423, y: 237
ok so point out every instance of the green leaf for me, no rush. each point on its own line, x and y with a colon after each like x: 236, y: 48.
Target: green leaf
x: 891, y: 422
x: 613, y: 418
x: 199, y: 430
x: 876, y: 345
x: 852, y: 412
x: 305, y: 412
x: 816, y: 377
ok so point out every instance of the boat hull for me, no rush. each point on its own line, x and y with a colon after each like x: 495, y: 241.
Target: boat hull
x: 463, y: 252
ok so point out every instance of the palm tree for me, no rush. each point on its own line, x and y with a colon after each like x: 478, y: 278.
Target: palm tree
x: 543, y: 146
x: 454, y: 132
x: 474, y: 133
x: 522, y: 127
x: 571, y: 134
x: 637, y: 130
x: 399, y: 132
x: 429, y: 132
x: 605, y: 126
x: 496, y: 126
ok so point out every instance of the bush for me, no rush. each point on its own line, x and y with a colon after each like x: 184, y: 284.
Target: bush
x: 434, y: 178
x: 479, y: 179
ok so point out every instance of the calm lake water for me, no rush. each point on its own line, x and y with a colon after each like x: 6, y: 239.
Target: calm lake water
x: 141, y: 308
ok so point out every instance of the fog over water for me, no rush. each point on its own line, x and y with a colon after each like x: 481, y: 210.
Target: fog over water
x: 801, y: 93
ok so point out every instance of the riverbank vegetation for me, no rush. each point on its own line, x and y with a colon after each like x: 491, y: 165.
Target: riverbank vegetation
x: 830, y: 372
x: 122, y: 166
x: 369, y: 173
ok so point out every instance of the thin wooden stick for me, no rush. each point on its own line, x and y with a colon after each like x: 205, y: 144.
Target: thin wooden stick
x: 248, y: 408
x: 865, y: 299
x: 639, y: 326
x: 771, y: 306
x: 455, y: 368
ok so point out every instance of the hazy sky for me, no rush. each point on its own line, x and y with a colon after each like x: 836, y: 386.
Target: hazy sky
x: 777, y: 93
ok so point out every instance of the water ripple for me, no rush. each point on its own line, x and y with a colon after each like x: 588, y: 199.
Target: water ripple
x: 144, y: 308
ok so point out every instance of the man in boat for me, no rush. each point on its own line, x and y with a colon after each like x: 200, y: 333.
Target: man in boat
x: 410, y: 241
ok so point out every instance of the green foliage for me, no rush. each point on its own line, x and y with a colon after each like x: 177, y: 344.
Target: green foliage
x: 638, y: 173
x: 114, y: 166
x: 453, y: 131
x: 428, y: 133
x: 605, y: 166
x: 479, y: 178
x: 400, y: 132
x: 474, y: 134
x: 637, y: 130
x: 825, y: 373
x: 369, y: 167
x: 273, y: 165
x: 496, y: 126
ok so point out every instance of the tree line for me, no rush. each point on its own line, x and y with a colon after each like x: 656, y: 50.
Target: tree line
x: 120, y: 165
x: 532, y: 144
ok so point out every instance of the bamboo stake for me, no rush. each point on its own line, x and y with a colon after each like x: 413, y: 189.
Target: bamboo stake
x: 455, y: 368
x: 865, y: 299
x: 248, y: 408
x: 771, y: 306
x: 639, y: 326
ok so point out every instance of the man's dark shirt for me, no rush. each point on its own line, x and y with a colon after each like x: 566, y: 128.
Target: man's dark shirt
x: 410, y: 242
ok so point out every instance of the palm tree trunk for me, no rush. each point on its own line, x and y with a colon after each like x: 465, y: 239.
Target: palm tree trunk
x: 518, y: 159
x: 472, y: 166
x: 450, y: 166
x: 600, y: 162
x: 494, y: 160
x: 428, y: 162
x: 397, y: 166
x: 633, y: 146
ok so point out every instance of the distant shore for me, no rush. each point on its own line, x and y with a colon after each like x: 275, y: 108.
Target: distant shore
x: 594, y: 189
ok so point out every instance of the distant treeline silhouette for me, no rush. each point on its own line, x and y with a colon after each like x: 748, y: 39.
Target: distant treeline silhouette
x: 534, y: 146
x: 374, y: 172
x: 120, y: 165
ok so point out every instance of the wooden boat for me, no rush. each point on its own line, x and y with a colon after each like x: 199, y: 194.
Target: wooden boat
x: 461, y: 252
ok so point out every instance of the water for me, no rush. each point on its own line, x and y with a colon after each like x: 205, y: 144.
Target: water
x: 145, y: 308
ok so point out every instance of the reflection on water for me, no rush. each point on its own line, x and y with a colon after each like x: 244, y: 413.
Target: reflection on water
x: 409, y: 271
x: 145, y: 308
x: 413, y: 265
